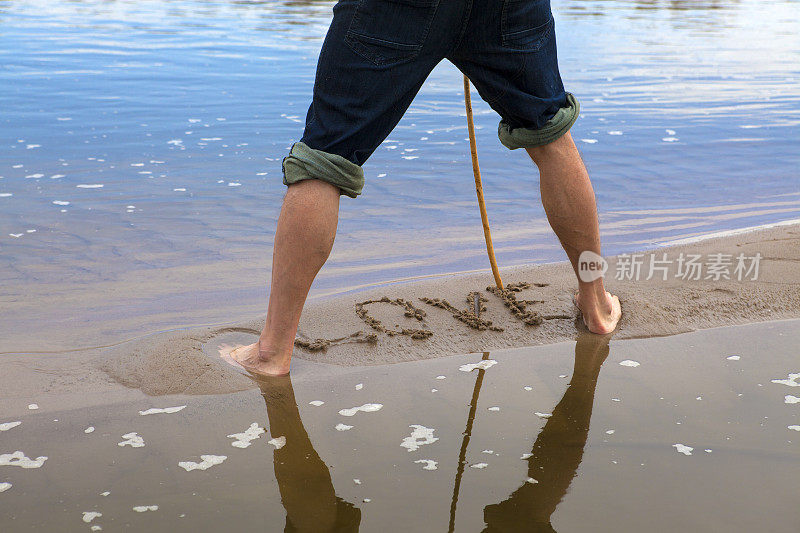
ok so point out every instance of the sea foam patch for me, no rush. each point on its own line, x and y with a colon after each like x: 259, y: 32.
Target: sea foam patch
x: 21, y: 460
x: 682, y: 448
x: 167, y: 410
x: 278, y: 442
x: 88, y: 516
x: 145, y: 508
x: 343, y: 427
x: 481, y: 365
x: 629, y: 362
x: 246, y: 438
x: 5, y: 426
x: 5, y: 486
x: 429, y: 464
x: 366, y: 408
x: 207, y: 461
x: 132, y: 439
x: 790, y: 382
x: 420, y: 436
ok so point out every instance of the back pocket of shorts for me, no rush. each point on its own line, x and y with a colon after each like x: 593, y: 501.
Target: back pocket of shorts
x: 527, y: 25
x: 389, y: 31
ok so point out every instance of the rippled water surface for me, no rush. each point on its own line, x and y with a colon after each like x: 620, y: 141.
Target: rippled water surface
x: 140, y: 148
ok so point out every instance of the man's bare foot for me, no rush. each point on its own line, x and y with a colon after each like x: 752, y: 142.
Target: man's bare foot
x: 600, y: 317
x: 255, y: 361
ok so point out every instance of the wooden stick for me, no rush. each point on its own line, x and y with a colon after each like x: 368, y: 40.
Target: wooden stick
x: 479, y: 186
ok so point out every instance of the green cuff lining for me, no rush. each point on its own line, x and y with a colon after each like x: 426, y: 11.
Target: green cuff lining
x: 304, y: 163
x: 554, y: 128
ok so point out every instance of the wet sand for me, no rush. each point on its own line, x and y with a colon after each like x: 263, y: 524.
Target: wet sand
x: 694, y: 432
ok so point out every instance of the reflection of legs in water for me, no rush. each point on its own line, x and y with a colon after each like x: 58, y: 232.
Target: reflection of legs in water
x: 558, y: 449
x: 303, y: 478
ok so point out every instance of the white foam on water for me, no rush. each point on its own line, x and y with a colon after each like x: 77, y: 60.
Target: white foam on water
x: 615, y: 400
x: 410, y: 157
x: 434, y: 390
x: 90, y: 186
x: 145, y: 508
x: 420, y: 436
x: 670, y: 132
x: 33, y: 406
x: 629, y: 362
x: 316, y: 403
x: 357, y: 481
x: 791, y: 382
x: 795, y: 428
x: 234, y: 184
x: 57, y: 176
x: 88, y: 516
x: 5, y: 426
x: 179, y: 189
x: 96, y: 528
x: 90, y: 429
x: 21, y: 460
x: 543, y: 415
x: 63, y: 119
x: 615, y: 132
x: 609, y: 432
x: 685, y: 450
x: 493, y: 408
x: 733, y: 358
x: 366, y: 408
x: 32, y: 146
x: 278, y: 442
x: 167, y: 410
x: 211, y: 138
x: 562, y: 375
x: 343, y: 427
x: 479, y: 465
x: 359, y: 386
x: 589, y: 141
x: 429, y: 464
x: 104, y: 494
x: 526, y: 456
x: 441, y: 377
x: 5, y: 486
x: 482, y: 365
x: 383, y: 175
x: 366, y: 500
x: 207, y: 462
x: 531, y: 481
x: 34, y: 176
x: 133, y: 440
x: 670, y: 139
x: 16, y: 235
x: 708, y: 450
x: 699, y: 398
x: 194, y: 120
x: 528, y: 388
x: 786, y: 399
x: 244, y: 439
x: 60, y: 202
x: 6, y: 194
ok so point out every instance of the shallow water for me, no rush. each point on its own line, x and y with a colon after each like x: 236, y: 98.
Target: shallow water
x: 696, y: 432
x: 141, y: 147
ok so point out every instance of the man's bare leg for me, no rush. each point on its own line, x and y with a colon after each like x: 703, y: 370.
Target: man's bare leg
x: 569, y: 202
x: 303, y: 241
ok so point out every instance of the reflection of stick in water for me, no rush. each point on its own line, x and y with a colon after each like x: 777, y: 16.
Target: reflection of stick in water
x: 558, y: 449
x: 462, y: 455
x: 304, y: 481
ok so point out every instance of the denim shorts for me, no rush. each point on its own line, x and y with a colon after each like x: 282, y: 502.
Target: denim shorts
x: 378, y: 53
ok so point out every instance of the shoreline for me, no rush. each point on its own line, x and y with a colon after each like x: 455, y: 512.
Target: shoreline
x: 175, y: 362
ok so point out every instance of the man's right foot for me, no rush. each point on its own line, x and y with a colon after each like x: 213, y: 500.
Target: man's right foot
x: 601, y: 317
x: 249, y: 358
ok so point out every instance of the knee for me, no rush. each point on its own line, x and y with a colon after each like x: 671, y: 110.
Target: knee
x: 560, y: 150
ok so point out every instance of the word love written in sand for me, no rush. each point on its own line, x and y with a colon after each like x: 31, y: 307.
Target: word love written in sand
x: 471, y: 316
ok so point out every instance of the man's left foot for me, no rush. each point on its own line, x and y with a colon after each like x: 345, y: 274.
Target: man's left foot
x: 255, y: 361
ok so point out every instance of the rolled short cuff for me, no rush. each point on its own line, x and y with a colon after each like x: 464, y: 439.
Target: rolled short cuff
x: 304, y: 163
x: 553, y: 129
